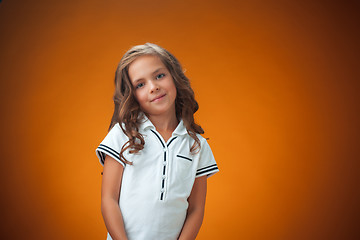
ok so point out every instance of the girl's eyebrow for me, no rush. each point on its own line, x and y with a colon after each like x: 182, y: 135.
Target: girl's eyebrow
x: 156, y: 71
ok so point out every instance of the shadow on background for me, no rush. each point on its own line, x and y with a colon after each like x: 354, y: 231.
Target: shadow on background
x: 277, y: 85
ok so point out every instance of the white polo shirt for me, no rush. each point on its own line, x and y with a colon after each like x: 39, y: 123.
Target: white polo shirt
x: 155, y: 188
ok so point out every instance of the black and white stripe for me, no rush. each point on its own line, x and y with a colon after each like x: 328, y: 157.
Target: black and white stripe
x: 164, y: 167
x: 189, y: 159
x: 207, y: 170
x: 171, y: 141
x: 158, y: 138
x: 104, y: 150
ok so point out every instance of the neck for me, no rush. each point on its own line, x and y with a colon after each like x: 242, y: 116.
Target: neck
x: 164, y: 123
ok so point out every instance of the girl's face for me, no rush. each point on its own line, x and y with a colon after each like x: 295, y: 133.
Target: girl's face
x: 154, y: 86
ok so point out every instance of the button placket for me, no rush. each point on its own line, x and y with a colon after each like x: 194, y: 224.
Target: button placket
x: 163, y: 176
x: 165, y: 164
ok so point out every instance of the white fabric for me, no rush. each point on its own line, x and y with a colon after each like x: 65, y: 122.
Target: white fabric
x: 154, y: 190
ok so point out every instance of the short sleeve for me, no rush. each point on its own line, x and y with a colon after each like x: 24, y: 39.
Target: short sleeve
x: 207, y: 164
x: 111, y: 145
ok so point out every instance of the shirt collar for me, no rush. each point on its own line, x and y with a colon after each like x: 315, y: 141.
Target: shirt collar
x: 180, y: 129
x: 145, y: 124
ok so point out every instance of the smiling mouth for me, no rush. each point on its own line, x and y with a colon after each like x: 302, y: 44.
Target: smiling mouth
x: 158, y: 98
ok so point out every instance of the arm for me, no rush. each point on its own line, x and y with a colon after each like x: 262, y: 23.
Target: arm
x: 195, y: 212
x: 110, y: 192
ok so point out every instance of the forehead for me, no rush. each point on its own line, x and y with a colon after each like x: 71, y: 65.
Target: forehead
x: 144, y: 66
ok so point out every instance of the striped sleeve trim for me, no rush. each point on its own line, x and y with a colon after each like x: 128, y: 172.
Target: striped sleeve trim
x: 103, y: 150
x: 209, y: 170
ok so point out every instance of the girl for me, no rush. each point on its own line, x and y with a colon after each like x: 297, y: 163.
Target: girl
x: 155, y: 160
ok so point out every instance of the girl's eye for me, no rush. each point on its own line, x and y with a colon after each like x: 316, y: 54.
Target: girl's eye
x: 161, y: 75
x: 139, y: 85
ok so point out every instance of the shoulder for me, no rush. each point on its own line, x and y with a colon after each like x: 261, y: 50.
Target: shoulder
x: 200, y: 137
x: 203, y: 140
x: 118, y: 128
x: 116, y: 133
x: 117, y: 125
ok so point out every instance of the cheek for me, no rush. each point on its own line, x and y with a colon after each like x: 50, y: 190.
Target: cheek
x: 170, y: 85
x: 140, y: 97
x: 173, y: 89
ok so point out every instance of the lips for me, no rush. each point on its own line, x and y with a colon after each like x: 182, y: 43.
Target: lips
x: 158, y: 98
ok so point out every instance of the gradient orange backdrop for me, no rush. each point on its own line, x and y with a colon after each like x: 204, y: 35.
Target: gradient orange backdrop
x: 277, y: 83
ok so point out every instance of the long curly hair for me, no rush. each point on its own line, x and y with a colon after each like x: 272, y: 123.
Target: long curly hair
x: 127, y: 110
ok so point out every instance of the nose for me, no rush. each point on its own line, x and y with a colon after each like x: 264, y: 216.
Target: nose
x: 153, y: 86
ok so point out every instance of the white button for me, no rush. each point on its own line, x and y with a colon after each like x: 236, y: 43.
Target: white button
x: 165, y: 149
x: 162, y: 190
x: 164, y: 163
x: 163, y: 177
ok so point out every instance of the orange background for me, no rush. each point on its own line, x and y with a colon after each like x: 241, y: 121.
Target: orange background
x: 277, y: 84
